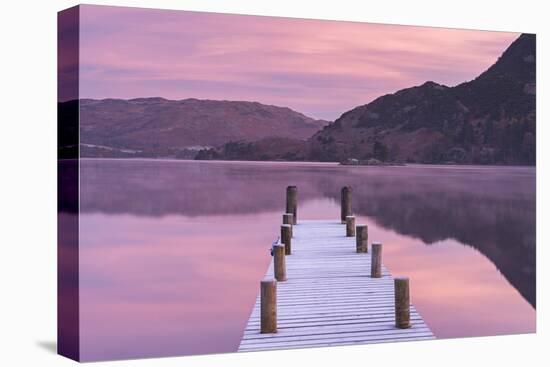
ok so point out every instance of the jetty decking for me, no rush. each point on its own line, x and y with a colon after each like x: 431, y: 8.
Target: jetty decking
x: 329, y: 297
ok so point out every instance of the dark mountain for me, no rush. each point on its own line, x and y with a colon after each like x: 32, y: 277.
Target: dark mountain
x: 489, y: 120
x: 161, y: 127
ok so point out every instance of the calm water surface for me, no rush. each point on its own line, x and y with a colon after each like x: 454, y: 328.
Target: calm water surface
x: 172, y: 251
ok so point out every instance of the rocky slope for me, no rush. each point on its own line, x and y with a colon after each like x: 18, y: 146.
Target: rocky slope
x: 489, y: 120
x: 161, y: 127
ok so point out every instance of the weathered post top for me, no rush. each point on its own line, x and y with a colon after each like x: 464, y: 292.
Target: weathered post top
x: 292, y: 202
x: 345, y: 203
x: 376, y: 260
x: 286, y: 237
x: 268, y: 307
x: 350, y: 226
x: 279, y: 263
x: 362, y: 238
x: 288, y: 218
x: 402, y: 303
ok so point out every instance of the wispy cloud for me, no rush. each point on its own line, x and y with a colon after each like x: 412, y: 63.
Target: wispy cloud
x: 320, y: 68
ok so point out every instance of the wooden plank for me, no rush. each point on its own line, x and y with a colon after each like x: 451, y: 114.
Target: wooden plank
x: 346, y: 343
x: 329, y: 297
x: 337, y: 337
x: 295, y: 325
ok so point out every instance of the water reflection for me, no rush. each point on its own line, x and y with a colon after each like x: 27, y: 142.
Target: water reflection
x: 155, y: 287
x: 169, y: 243
x: 491, y: 209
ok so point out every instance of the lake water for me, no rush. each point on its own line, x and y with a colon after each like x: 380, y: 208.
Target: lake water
x: 172, y: 252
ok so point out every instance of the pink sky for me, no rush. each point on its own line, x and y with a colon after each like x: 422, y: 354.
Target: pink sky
x: 320, y: 68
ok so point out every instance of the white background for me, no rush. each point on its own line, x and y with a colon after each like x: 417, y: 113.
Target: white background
x: 28, y: 179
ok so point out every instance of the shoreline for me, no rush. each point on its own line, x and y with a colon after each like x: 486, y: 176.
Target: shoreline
x: 309, y: 163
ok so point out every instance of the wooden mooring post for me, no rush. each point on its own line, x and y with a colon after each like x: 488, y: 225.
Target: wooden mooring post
x: 268, y: 296
x: 361, y: 238
x: 292, y: 202
x: 345, y: 203
x: 288, y: 218
x: 279, y: 264
x: 402, y: 303
x: 350, y: 226
x: 376, y: 260
x: 286, y: 238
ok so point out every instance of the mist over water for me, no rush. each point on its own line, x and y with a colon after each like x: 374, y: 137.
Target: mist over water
x: 172, y: 251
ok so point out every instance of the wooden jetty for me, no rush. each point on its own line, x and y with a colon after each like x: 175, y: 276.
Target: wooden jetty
x: 329, y: 295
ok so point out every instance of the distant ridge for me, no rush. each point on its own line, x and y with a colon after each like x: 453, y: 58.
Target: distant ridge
x: 158, y: 127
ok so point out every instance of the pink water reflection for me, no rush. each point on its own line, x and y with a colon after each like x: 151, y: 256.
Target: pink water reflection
x: 170, y: 265
x: 169, y: 286
x: 458, y: 290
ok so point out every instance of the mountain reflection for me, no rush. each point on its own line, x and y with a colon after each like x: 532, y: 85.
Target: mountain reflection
x: 491, y: 208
